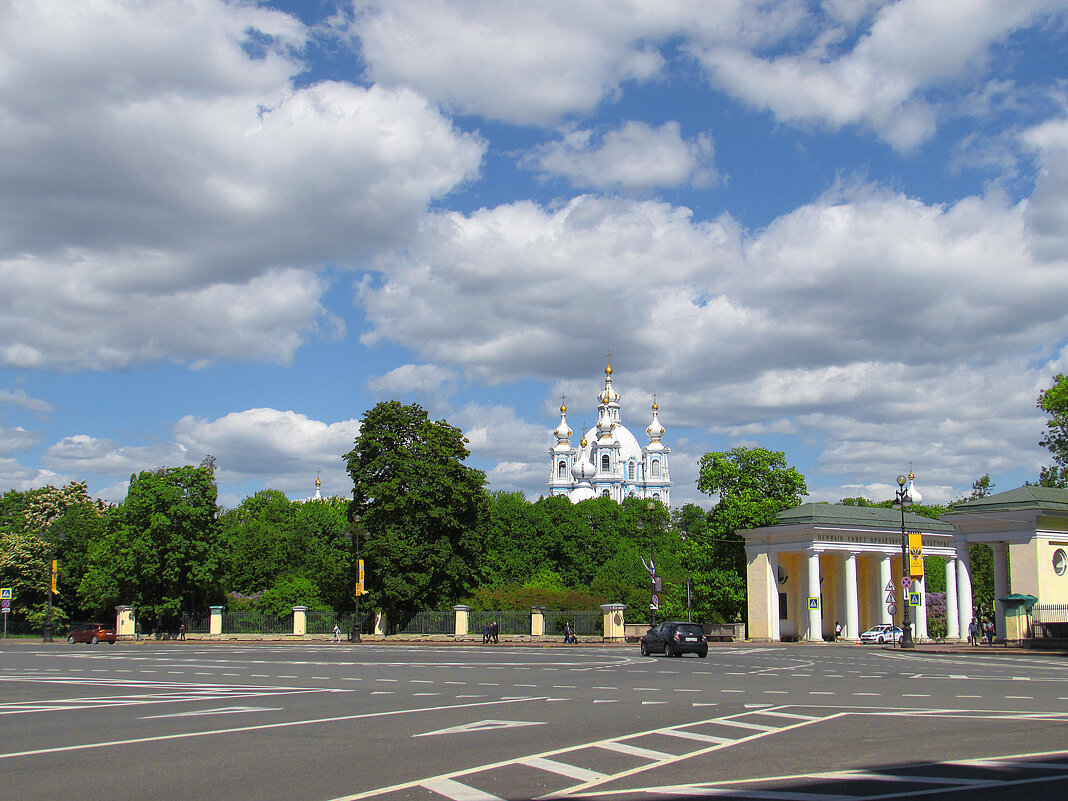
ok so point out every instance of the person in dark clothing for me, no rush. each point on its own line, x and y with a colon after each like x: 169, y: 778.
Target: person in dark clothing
x: 487, y: 632
x: 495, y: 629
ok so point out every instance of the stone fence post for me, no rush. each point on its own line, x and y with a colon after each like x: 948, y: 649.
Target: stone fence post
x: 124, y: 621
x: 215, y: 626
x: 300, y: 621
x: 613, y: 621
x: 537, y: 621
x: 462, y: 622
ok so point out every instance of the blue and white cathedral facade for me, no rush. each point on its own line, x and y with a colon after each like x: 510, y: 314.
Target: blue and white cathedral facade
x: 609, y: 461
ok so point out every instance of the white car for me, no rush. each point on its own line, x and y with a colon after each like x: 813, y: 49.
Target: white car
x: 884, y: 632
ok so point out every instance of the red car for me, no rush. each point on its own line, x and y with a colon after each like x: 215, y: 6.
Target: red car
x: 93, y: 634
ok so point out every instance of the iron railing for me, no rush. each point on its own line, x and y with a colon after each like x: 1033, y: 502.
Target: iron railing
x: 442, y: 622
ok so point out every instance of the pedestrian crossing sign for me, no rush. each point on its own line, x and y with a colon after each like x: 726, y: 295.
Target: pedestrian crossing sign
x: 914, y: 599
x: 813, y: 603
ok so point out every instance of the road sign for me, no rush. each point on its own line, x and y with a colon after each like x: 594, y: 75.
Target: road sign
x: 5, y: 594
x: 906, y: 582
x: 889, y: 586
x: 891, y: 609
x: 914, y: 599
x: 813, y: 603
x: 5, y: 606
x: 890, y: 598
x: 655, y: 603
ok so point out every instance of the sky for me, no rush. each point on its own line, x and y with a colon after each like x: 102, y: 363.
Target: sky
x: 834, y: 229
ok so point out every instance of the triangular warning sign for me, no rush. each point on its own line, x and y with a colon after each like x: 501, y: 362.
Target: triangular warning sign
x: 890, y: 598
x: 483, y: 725
x: 889, y: 586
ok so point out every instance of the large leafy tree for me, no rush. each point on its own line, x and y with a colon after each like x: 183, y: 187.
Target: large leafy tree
x: 753, y: 485
x: 45, y: 524
x: 1054, y: 402
x: 423, y: 510
x: 161, y: 550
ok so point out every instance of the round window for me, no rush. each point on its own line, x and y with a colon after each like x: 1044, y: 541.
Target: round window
x: 1060, y: 561
x: 782, y: 575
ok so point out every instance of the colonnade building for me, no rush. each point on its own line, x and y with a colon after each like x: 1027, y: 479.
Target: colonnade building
x: 822, y: 564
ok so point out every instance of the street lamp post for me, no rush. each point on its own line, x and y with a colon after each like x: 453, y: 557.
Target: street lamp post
x: 902, y: 499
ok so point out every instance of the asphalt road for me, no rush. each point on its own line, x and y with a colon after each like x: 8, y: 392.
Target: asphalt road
x: 322, y: 722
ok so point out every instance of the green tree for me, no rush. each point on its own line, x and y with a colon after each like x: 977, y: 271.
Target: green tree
x: 753, y: 485
x: 1054, y: 402
x: 160, y: 552
x: 424, y: 510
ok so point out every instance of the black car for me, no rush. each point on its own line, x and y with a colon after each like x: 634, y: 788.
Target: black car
x: 675, y: 638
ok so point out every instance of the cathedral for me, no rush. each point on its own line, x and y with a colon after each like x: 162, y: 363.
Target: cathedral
x: 609, y: 462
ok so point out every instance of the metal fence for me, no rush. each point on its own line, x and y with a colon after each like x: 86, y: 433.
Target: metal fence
x: 443, y: 622
x: 583, y: 623
x: 196, y: 624
x: 511, y: 621
x: 252, y: 622
x: 1049, y: 620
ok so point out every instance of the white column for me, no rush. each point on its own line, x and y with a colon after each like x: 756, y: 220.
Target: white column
x: 885, y: 580
x: 964, y: 588
x: 952, y: 615
x: 773, y: 597
x: 815, y: 623
x: 920, y: 631
x: 852, y: 630
x: 1001, y: 585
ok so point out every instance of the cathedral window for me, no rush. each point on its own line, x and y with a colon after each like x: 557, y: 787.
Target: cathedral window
x: 630, y: 471
x: 604, y: 494
x: 655, y: 468
x: 606, y: 465
x: 561, y: 469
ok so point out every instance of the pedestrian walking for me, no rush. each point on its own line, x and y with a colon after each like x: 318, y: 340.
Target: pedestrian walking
x: 973, y: 633
x: 988, y: 629
x: 486, y: 633
x: 181, y: 631
x: 837, y: 630
x: 337, y: 633
x: 495, y: 630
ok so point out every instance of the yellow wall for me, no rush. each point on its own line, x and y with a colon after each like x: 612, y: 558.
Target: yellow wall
x: 1052, y: 589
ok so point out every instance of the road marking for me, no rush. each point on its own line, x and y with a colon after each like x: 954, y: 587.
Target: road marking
x: 634, y: 750
x: 238, y: 729
x: 696, y: 736
x: 563, y: 769
x: 483, y: 725
x: 223, y: 710
x: 741, y: 724
x: 457, y: 792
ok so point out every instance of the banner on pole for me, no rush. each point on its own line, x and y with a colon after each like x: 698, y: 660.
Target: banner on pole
x: 915, y: 555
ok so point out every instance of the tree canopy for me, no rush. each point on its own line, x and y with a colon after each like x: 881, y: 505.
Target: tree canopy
x: 423, y: 510
x: 1054, y: 402
x: 160, y: 552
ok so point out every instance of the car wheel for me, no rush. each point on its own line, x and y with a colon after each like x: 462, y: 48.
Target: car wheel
x: 669, y: 649
x: 70, y: 639
x: 95, y: 639
x: 881, y: 641
x: 703, y: 653
x: 645, y: 649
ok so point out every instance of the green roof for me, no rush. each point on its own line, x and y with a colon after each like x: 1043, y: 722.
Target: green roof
x: 859, y: 517
x: 1027, y: 497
